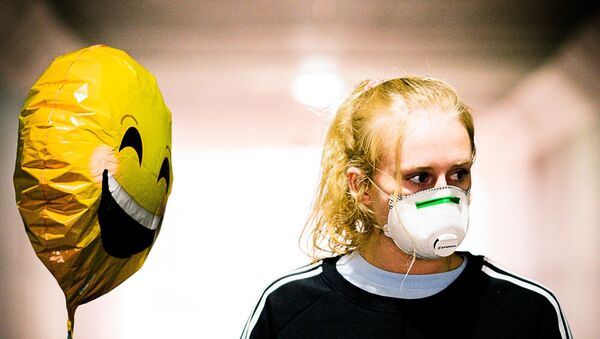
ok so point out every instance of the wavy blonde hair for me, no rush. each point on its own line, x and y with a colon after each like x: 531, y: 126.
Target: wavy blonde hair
x: 339, y: 222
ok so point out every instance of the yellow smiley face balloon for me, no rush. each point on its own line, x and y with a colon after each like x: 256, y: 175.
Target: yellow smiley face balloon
x: 93, y: 170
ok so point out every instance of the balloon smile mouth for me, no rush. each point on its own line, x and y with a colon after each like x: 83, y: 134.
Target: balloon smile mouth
x: 125, y: 226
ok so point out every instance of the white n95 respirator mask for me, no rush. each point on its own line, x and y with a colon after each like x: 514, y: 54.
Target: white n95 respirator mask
x: 430, y: 223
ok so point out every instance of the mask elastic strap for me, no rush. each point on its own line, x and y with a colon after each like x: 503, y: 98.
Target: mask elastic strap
x: 389, y: 196
x: 386, y: 227
x: 392, y: 198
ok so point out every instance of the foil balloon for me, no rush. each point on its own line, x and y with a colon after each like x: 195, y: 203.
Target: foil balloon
x: 93, y: 170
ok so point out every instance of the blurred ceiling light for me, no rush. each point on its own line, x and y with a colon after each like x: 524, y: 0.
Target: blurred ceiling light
x: 318, y: 84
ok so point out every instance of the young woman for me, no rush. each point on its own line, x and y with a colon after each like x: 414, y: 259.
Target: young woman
x: 391, y: 208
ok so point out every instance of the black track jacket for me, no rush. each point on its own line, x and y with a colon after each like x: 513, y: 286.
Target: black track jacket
x: 485, y: 301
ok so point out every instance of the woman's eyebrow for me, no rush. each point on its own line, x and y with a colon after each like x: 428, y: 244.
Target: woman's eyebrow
x: 430, y: 168
x: 419, y: 169
x: 463, y: 163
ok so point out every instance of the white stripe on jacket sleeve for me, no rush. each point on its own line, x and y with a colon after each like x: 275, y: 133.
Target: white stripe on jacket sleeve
x: 516, y: 279
x: 301, y: 273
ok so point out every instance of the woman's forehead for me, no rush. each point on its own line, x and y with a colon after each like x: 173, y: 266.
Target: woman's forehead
x: 425, y: 140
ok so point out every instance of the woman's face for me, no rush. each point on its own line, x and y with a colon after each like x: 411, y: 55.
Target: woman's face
x: 435, y: 152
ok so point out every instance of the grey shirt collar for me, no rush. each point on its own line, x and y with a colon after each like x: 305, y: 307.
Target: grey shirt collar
x: 360, y: 273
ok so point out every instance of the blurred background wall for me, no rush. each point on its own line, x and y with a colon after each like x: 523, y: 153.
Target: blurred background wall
x: 246, y: 149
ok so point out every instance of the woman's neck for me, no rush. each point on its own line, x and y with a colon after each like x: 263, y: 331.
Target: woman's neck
x: 381, y: 251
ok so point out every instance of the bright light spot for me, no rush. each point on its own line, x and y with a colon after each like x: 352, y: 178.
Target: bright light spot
x: 317, y: 89
x: 318, y: 84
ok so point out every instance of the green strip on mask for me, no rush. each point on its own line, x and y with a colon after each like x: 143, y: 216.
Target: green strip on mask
x: 437, y: 201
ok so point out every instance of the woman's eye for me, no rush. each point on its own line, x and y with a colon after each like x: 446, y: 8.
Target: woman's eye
x: 419, y: 179
x: 460, y: 175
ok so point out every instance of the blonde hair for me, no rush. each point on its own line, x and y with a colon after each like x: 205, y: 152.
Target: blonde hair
x: 339, y: 222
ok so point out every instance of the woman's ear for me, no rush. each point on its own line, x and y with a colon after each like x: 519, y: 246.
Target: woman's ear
x: 357, y: 179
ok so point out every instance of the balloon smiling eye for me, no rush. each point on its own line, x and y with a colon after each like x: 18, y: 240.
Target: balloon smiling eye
x: 165, y: 172
x: 133, y: 139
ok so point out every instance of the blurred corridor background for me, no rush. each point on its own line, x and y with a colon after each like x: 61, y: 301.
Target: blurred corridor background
x: 247, y: 82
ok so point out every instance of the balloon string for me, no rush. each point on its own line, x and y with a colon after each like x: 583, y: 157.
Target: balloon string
x: 69, y: 328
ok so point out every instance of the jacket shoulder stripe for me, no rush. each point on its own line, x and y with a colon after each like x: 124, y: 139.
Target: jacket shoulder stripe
x: 495, y: 272
x: 300, y: 273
